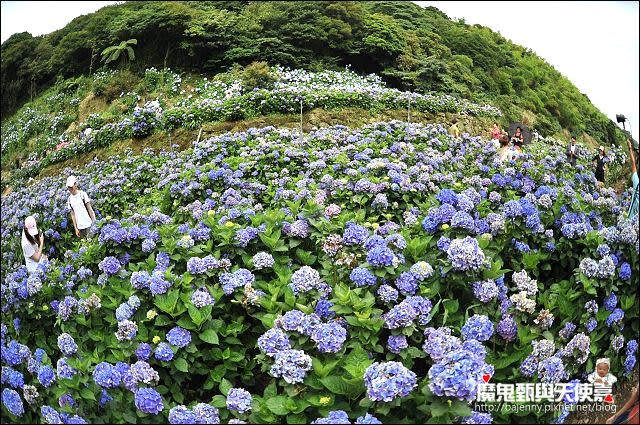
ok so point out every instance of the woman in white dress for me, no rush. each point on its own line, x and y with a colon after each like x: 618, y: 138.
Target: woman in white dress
x: 32, y: 244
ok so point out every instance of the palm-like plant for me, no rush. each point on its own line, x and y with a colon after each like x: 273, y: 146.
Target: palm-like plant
x: 122, y: 50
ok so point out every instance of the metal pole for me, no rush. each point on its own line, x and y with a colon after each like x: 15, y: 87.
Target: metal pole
x: 300, y: 119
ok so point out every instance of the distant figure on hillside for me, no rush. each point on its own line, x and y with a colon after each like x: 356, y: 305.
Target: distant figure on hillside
x: 518, y: 139
x: 454, y: 130
x: 32, y: 244
x: 572, y: 154
x: 496, y: 133
x: 635, y: 198
x: 81, y: 211
x: 600, y: 160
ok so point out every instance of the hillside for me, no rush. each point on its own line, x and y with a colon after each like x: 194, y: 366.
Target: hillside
x: 411, y: 48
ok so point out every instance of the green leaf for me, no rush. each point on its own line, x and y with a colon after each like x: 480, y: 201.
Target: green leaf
x: 439, y: 408
x: 87, y: 394
x: 209, y: 336
x: 277, y: 405
x: 225, y: 386
x: 219, y: 401
x: 181, y: 365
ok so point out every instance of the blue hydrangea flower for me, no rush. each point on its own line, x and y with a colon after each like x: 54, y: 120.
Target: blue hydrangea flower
x: 465, y: 254
x: 110, y: 265
x: 148, y: 400
x: 291, y: 365
x: 354, y: 234
x: 625, y: 271
x: 50, y: 415
x: 239, y: 400
x: 439, y: 342
x: 616, y: 316
x: 304, y: 280
x: 389, y: 380
x: 181, y: 415
x: 106, y: 375
x: 367, y: 419
x: 380, y: 256
x: 201, y: 298
x: 477, y: 418
x: 611, y: 301
x: 143, y: 352
x: 292, y: 320
x: 387, y: 293
x: 46, y: 376
x: 163, y: 352
x: 273, y: 341
x: 551, y: 370
x: 477, y: 327
x: 507, y: 328
x: 329, y: 337
x: 179, y: 337
x: 12, y: 401
x: 206, y: 414
x: 458, y: 374
x: 397, y: 343
x: 362, y: 277
x: 66, y: 344
x: 323, y: 309
x: 334, y: 417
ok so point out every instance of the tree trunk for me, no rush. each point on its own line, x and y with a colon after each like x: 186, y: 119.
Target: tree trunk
x: 166, y: 55
x: 93, y: 55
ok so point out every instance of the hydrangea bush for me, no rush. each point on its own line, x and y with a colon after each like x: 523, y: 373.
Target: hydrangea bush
x: 257, y: 277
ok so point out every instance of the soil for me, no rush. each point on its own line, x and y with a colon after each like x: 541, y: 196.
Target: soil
x: 621, y: 394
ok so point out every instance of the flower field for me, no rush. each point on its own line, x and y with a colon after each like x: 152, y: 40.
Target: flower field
x: 368, y: 275
x: 207, y: 101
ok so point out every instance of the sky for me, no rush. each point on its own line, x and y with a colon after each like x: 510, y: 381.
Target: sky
x: 594, y: 44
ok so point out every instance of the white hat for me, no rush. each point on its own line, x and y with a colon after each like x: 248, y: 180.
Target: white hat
x: 71, y: 180
x: 603, y: 360
x: 601, y: 147
x: 30, y: 224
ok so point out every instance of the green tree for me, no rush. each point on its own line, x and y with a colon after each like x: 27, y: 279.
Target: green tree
x: 122, y: 50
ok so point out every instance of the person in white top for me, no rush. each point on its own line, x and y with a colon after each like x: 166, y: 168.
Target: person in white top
x: 81, y: 211
x: 601, y: 375
x: 32, y: 244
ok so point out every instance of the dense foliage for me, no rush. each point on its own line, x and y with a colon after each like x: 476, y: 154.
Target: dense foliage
x: 349, y: 275
x: 412, y: 48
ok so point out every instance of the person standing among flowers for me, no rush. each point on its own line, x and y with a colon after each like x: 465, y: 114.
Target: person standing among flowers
x: 454, y: 130
x: 81, y: 211
x: 518, y: 139
x: 32, y: 244
x: 572, y: 155
x: 600, y: 160
x: 496, y: 134
x: 633, y: 208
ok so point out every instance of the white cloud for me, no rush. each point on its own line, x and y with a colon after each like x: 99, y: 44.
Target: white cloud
x: 593, y: 44
x: 43, y: 17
